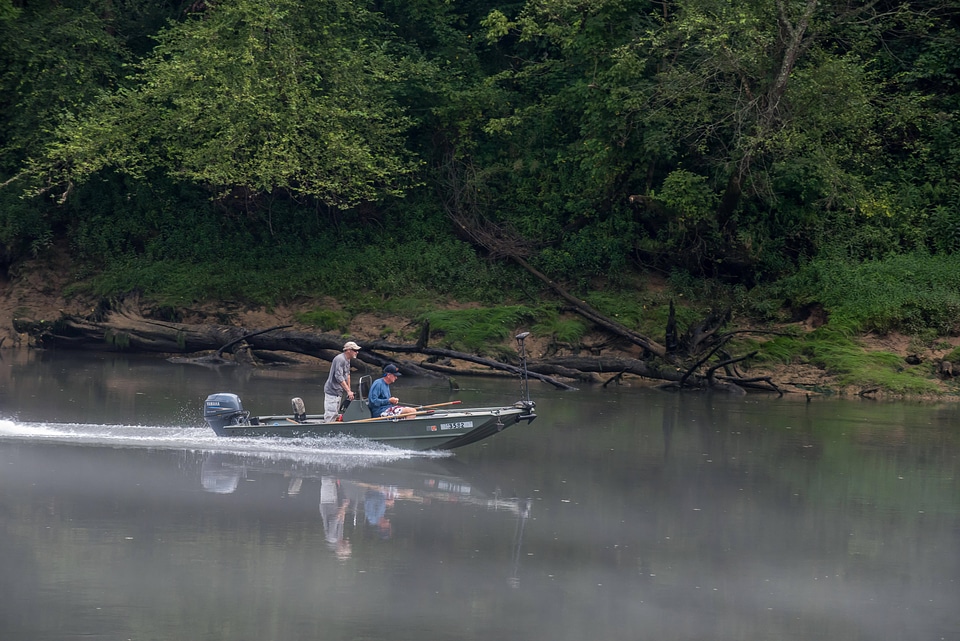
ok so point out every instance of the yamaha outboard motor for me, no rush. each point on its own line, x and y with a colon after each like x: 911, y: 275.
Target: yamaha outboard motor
x: 220, y: 410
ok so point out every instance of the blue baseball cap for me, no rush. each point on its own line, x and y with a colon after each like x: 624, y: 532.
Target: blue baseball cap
x: 392, y: 369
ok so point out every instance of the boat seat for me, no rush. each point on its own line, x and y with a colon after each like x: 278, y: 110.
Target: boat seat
x: 364, y: 388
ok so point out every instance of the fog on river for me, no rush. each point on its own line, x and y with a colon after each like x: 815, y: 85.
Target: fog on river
x: 621, y: 513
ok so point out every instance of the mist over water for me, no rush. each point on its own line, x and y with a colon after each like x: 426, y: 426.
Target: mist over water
x: 620, y: 513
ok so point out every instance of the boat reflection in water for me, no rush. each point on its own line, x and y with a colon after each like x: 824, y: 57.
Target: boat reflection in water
x: 360, y: 498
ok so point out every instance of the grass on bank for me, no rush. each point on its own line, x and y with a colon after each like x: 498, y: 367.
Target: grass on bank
x: 916, y: 294
x: 836, y: 350
x: 483, y: 331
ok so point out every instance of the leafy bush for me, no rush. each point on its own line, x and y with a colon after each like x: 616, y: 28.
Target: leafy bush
x: 564, y: 329
x: 325, y: 320
x: 835, y: 349
x: 601, y: 249
x: 478, y: 330
x: 25, y: 227
x: 907, y: 292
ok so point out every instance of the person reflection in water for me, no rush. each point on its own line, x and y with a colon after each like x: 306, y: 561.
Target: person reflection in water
x: 333, y: 511
x: 375, y: 503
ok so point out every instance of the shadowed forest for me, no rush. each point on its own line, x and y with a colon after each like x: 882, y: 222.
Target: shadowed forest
x: 777, y: 159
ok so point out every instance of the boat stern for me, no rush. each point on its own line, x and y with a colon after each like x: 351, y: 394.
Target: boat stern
x: 223, y: 409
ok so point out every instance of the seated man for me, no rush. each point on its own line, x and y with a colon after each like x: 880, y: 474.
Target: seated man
x: 381, y: 402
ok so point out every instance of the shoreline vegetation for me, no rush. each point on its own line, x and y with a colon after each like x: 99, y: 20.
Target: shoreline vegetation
x: 795, y: 356
x: 756, y: 197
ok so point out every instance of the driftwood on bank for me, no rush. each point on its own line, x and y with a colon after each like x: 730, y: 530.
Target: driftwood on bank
x: 122, y: 328
x: 125, y: 330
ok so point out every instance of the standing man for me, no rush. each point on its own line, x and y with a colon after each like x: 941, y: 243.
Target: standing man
x: 382, y: 403
x: 338, y: 382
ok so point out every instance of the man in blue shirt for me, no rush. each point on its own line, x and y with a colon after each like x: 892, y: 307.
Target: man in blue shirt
x: 381, y: 401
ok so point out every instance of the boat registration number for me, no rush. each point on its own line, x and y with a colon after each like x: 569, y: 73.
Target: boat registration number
x: 459, y: 425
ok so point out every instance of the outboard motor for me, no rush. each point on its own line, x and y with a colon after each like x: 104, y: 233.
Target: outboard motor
x: 220, y: 410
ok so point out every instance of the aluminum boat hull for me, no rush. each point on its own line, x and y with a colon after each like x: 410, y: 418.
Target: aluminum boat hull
x: 436, y: 430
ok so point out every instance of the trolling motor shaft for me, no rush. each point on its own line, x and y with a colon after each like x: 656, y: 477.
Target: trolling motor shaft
x: 524, y: 380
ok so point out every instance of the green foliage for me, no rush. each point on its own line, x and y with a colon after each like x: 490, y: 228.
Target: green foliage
x: 596, y: 139
x: 419, y: 266
x: 645, y: 312
x: 953, y: 356
x: 8, y: 11
x: 55, y: 60
x: 326, y: 320
x: 622, y: 307
x: 944, y: 228
x: 836, y: 351
x: 161, y: 221
x: 908, y: 292
x: 564, y: 329
x: 25, y: 228
x: 253, y: 95
x: 478, y: 330
x: 410, y: 305
x: 601, y: 249
x: 689, y: 197
x: 362, y: 274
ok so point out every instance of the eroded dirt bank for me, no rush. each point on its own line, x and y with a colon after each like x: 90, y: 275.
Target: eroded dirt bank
x: 34, y: 291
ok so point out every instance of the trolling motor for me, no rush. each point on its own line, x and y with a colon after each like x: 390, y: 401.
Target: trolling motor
x: 525, y: 380
x: 299, y: 409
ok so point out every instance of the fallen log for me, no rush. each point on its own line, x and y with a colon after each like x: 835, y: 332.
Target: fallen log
x: 613, y: 365
x: 123, y: 330
x: 615, y: 379
x: 594, y: 316
x: 220, y: 351
x: 450, y: 370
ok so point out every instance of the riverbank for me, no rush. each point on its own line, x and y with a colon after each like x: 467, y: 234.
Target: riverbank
x: 34, y: 291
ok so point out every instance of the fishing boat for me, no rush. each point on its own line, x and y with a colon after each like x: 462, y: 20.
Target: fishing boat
x: 442, y: 426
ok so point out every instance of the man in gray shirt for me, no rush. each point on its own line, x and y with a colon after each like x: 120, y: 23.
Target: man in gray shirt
x: 338, y: 382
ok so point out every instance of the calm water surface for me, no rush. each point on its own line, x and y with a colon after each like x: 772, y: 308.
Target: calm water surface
x: 621, y: 513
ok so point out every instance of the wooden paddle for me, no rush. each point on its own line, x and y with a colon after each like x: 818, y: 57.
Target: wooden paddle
x: 423, y: 407
x: 387, y: 418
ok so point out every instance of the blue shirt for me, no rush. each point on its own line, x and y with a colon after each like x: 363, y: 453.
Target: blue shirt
x: 379, y: 397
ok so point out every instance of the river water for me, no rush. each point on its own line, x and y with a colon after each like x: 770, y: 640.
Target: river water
x: 620, y: 513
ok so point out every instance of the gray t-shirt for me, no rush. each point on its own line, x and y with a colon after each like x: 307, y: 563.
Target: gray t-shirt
x: 339, y: 372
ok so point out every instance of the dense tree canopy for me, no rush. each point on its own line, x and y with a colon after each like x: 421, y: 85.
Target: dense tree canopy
x: 718, y: 138
x: 741, y: 132
x: 252, y: 95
